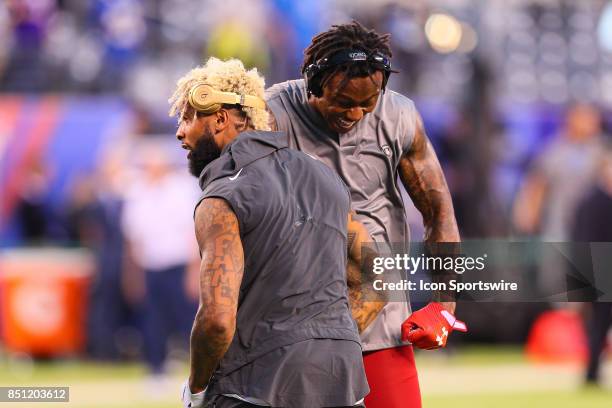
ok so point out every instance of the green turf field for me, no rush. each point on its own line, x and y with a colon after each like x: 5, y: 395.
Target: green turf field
x: 479, y: 377
x: 569, y: 399
x: 498, y: 377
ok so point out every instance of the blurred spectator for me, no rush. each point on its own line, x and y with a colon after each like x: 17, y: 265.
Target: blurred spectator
x: 158, y: 227
x: 593, y: 223
x: 79, y: 217
x: 562, y: 174
x: 560, y: 178
x: 96, y: 214
x: 32, y: 210
x: 28, y: 20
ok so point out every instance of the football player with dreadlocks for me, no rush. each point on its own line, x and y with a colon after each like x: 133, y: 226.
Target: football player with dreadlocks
x: 342, y: 113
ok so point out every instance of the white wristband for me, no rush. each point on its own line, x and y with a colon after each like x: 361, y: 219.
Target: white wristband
x: 192, y: 400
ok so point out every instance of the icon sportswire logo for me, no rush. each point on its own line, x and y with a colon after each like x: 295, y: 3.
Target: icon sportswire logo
x: 234, y: 177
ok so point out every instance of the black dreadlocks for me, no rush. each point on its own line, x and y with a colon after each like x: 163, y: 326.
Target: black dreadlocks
x: 352, y: 36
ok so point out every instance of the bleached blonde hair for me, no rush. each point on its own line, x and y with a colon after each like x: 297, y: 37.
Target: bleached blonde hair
x: 226, y: 76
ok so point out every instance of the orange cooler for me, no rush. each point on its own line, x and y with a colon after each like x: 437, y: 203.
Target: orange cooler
x: 43, y: 300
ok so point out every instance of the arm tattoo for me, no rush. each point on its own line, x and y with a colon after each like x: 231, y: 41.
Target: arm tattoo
x: 423, y: 178
x: 350, y: 241
x: 364, y: 305
x: 365, y: 302
x: 221, y: 271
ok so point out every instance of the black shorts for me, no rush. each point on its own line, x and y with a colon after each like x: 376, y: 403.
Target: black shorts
x: 221, y: 401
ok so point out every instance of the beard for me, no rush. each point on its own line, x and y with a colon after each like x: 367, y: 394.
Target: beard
x: 204, y: 152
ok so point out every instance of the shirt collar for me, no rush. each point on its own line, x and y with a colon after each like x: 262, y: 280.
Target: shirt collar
x: 253, y: 145
x: 243, y: 150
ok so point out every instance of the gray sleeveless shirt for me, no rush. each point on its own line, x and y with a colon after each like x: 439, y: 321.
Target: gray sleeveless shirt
x: 293, y: 292
x: 367, y: 159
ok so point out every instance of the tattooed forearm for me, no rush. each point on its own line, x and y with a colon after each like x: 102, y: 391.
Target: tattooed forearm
x: 364, y: 312
x: 424, y: 180
x: 221, y: 270
x: 350, y: 242
x: 208, y: 346
x: 365, y: 302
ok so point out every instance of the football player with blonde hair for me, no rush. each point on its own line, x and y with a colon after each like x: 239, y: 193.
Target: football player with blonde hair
x: 273, y: 327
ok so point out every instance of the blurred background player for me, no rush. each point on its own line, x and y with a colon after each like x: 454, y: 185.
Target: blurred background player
x: 274, y: 326
x: 593, y: 223
x: 95, y: 214
x: 343, y: 114
x: 562, y: 174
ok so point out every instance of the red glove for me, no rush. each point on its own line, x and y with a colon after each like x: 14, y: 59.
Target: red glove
x: 428, y: 328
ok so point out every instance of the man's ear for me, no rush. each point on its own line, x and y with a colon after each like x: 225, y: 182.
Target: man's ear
x: 222, y: 120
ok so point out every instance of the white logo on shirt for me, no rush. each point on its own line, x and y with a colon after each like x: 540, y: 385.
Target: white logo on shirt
x: 386, y: 150
x: 236, y: 176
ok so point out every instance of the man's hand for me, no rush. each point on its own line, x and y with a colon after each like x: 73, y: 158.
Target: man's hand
x: 192, y: 400
x: 429, y: 327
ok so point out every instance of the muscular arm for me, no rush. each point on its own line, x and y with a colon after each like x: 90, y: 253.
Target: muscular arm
x: 359, y: 283
x: 221, y: 270
x: 423, y: 178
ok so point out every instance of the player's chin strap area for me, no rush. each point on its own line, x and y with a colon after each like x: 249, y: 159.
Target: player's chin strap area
x: 204, y: 98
